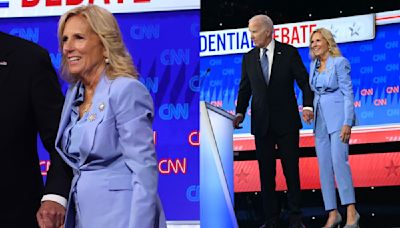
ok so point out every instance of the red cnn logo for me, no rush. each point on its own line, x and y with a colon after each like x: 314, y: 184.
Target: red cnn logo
x: 194, y: 138
x: 44, y: 166
x: 168, y: 166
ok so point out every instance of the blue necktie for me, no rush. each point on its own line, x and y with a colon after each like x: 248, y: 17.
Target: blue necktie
x: 265, y: 65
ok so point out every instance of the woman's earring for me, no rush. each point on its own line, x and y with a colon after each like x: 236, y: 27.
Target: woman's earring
x: 107, y: 60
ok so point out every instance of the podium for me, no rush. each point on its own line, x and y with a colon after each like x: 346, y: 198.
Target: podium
x: 216, y: 168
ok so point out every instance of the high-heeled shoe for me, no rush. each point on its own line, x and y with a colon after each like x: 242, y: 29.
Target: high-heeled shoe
x: 356, y: 223
x: 337, y: 222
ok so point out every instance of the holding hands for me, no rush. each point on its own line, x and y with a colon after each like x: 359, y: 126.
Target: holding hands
x: 308, y: 116
x: 51, y: 215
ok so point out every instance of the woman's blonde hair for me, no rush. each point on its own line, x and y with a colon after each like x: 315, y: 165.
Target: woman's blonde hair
x: 332, y: 45
x: 103, y: 23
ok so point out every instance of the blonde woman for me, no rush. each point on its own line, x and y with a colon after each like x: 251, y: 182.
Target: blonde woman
x: 334, y: 116
x: 105, y: 132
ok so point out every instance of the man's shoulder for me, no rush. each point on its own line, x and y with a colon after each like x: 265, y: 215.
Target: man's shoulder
x: 284, y: 46
x: 19, y: 44
x: 251, y: 52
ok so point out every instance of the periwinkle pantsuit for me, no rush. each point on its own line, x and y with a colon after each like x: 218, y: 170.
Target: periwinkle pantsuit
x: 115, y: 180
x: 334, y: 107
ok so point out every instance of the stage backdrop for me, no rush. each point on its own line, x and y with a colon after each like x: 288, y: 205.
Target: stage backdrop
x: 373, y: 52
x: 165, y: 48
x: 372, y: 45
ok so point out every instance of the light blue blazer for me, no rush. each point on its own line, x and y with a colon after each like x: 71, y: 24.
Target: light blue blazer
x: 336, y: 96
x: 115, y: 176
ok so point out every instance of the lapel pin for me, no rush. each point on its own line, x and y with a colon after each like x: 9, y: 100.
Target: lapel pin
x: 102, y: 106
x: 3, y: 63
x: 92, y: 117
x: 279, y: 53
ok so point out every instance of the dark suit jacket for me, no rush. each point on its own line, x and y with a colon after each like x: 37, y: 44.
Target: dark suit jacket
x: 274, y: 105
x: 31, y: 103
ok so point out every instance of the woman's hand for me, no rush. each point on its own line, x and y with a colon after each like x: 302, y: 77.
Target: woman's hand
x: 345, y: 133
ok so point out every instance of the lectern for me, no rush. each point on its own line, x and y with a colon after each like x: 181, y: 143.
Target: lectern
x: 216, y: 168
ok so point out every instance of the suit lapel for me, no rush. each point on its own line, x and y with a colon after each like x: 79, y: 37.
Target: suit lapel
x: 255, y: 55
x: 65, y: 118
x: 276, y: 60
x: 95, y: 116
x: 312, y: 73
x: 330, y: 70
x: 5, y: 60
x: 66, y: 113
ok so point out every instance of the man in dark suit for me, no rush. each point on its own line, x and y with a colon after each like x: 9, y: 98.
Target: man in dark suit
x: 31, y: 102
x: 268, y: 74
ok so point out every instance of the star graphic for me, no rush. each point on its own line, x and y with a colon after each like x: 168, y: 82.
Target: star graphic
x: 392, y: 168
x: 242, y: 176
x: 334, y: 31
x: 354, y: 29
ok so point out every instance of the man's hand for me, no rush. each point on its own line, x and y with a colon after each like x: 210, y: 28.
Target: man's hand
x: 50, y: 215
x: 345, y: 133
x: 238, y: 119
x: 308, y: 116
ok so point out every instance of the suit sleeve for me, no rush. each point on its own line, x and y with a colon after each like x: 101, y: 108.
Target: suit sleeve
x: 47, y: 101
x: 301, y: 76
x: 134, y: 116
x: 244, y: 92
x: 343, y: 72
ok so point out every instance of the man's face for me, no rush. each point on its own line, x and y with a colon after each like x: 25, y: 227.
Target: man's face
x: 261, y: 35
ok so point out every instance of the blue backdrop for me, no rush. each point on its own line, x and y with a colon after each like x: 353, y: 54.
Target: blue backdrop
x: 165, y: 49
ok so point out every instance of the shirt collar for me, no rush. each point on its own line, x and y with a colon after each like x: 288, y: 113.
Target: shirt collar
x: 270, y: 47
x: 79, y: 94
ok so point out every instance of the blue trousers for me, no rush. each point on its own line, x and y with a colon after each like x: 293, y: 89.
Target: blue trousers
x: 333, y: 163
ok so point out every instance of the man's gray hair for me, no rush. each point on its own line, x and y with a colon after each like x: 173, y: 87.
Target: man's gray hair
x: 264, y: 19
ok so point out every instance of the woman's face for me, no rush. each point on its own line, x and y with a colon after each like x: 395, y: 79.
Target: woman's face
x: 319, y: 46
x: 82, y: 48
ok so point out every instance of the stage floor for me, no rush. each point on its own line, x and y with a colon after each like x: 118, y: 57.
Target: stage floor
x: 379, y: 207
